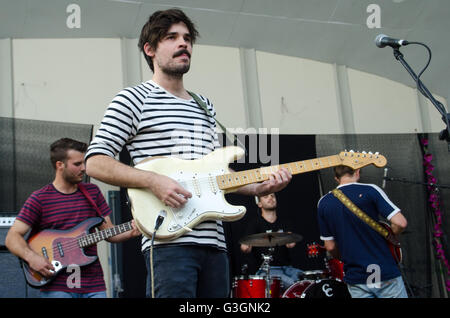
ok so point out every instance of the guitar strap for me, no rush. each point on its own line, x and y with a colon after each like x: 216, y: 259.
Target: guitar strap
x: 224, y: 129
x: 364, y: 217
x: 91, y: 201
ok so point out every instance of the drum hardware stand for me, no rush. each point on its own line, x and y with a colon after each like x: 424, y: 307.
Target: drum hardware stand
x: 265, y: 266
x: 244, y: 270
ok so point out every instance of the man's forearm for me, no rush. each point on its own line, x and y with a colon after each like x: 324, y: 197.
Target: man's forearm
x: 249, y: 189
x: 332, y: 248
x: 398, y: 223
x: 17, y: 245
x: 111, y: 171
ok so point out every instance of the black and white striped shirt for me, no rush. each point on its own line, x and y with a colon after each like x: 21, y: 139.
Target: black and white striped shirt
x: 149, y: 121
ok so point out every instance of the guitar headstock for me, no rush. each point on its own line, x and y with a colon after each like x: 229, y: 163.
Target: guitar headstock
x: 314, y: 249
x: 358, y: 160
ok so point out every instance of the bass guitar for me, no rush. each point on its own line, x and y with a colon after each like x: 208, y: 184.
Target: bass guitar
x: 65, y: 247
x: 209, y: 179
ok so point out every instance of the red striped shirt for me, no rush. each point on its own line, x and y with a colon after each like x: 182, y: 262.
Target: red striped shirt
x: 47, y: 208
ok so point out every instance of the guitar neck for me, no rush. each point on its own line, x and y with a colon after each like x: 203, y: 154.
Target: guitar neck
x: 238, y: 179
x: 94, y: 238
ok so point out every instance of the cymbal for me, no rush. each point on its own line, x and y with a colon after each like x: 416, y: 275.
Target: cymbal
x: 270, y: 239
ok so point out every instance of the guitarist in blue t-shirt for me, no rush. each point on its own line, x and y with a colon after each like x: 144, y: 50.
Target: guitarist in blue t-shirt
x: 370, y: 269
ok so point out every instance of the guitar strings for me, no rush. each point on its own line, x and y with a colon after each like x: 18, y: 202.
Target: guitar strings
x: 73, y: 243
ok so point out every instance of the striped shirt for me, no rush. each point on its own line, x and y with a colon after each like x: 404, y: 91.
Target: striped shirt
x: 149, y: 121
x: 47, y: 208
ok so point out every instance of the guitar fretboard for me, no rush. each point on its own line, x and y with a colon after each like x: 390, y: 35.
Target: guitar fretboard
x: 241, y: 178
x: 93, y: 238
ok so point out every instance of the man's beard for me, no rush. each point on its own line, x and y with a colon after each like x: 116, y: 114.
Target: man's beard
x: 175, y: 70
x: 72, y: 179
x: 271, y: 207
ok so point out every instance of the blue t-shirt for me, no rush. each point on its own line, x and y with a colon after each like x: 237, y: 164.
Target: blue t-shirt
x: 359, y: 245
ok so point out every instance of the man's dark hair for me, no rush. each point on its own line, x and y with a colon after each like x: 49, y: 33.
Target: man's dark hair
x: 340, y: 171
x: 59, y: 148
x: 157, y: 27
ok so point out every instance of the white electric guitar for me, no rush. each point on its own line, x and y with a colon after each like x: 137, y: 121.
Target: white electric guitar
x: 209, y: 179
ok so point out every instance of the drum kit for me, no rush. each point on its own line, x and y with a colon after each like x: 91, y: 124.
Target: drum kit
x: 326, y: 283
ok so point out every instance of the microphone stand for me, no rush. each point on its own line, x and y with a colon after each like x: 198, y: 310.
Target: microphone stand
x: 444, y: 134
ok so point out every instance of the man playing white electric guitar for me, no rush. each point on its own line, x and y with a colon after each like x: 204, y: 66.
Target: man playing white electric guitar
x: 148, y: 119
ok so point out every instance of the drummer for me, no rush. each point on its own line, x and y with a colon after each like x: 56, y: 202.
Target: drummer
x: 268, y: 221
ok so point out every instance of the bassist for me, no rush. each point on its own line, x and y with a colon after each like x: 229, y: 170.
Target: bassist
x: 61, y: 205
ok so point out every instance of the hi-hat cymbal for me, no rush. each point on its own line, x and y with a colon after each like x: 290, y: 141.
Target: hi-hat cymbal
x: 270, y: 239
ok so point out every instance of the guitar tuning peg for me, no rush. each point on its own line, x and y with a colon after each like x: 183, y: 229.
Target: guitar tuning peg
x: 364, y: 152
x: 377, y: 153
x: 351, y: 151
x: 370, y: 153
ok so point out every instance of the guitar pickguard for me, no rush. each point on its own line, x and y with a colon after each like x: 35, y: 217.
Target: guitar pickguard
x: 206, y: 198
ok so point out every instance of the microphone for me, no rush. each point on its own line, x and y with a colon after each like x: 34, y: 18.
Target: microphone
x: 383, y: 185
x: 382, y: 40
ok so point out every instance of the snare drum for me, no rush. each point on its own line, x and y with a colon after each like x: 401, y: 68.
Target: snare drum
x: 255, y: 287
x: 323, y: 288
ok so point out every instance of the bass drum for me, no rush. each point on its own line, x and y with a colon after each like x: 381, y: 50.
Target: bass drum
x: 296, y: 290
x: 323, y: 288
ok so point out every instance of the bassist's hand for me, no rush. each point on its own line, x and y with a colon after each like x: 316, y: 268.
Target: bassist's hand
x: 40, y: 264
x: 135, y: 231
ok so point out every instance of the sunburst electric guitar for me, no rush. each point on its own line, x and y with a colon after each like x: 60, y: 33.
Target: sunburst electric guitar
x: 209, y: 179
x: 66, y: 247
